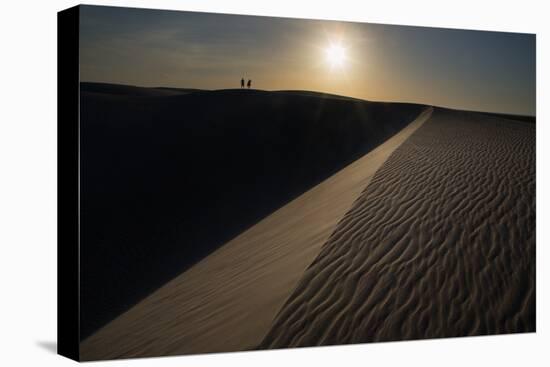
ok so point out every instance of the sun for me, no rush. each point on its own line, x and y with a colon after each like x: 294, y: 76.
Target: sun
x: 336, y: 55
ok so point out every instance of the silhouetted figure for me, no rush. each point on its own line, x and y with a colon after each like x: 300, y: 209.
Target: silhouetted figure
x: 249, y: 83
x: 242, y: 82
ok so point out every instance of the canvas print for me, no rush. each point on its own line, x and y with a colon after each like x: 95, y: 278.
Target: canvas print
x: 251, y: 183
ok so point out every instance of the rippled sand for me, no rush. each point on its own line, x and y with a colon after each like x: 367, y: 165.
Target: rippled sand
x: 440, y: 244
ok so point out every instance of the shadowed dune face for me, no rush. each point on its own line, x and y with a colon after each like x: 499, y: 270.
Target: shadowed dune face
x: 440, y: 244
x: 166, y: 179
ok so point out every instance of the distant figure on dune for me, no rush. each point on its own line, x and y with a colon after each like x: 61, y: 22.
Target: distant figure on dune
x: 249, y: 83
x: 242, y: 82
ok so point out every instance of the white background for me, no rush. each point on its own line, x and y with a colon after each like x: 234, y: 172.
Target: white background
x: 28, y: 183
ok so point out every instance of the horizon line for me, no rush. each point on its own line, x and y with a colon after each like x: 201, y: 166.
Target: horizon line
x: 312, y: 91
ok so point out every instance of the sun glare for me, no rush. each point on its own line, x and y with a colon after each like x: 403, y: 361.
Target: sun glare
x: 336, y: 55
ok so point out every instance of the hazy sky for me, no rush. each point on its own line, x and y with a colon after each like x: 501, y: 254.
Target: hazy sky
x: 486, y: 71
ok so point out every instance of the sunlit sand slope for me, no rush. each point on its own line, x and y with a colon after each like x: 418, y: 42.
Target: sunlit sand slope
x: 440, y: 244
x: 227, y: 301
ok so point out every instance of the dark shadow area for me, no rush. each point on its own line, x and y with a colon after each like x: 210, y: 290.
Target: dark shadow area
x: 167, y: 179
x: 524, y: 118
x: 132, y: 91
x: 49, y: 346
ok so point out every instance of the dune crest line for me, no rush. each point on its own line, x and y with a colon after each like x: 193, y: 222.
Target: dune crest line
x: 440, y: 244
x: 228, y: 300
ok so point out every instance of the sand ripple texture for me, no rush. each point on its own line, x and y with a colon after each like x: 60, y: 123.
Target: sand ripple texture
x: 440, y: 244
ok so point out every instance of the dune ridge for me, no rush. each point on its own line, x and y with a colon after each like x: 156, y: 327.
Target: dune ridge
x: 227, y: 301
x: 440, y: 244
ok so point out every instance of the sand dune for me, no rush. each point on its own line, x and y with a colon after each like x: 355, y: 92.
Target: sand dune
x: 227, y: 301
x: 108, y: 89
x: 170, y: 175
x: 336, y: 221
x: 440, y: 244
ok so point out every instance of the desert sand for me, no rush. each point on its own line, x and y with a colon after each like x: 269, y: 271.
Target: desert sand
x: 386, y: 229
x: 440, y: 244
x: 227, y: 301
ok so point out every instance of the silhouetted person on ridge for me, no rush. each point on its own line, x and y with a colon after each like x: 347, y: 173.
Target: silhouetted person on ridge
x: 249, y: 83
x: 242, y: 82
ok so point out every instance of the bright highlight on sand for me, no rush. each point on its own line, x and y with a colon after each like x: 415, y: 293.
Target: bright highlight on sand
x: 336, y: 55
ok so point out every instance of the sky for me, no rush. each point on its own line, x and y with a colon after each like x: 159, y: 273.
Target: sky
x: 472, y: 70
